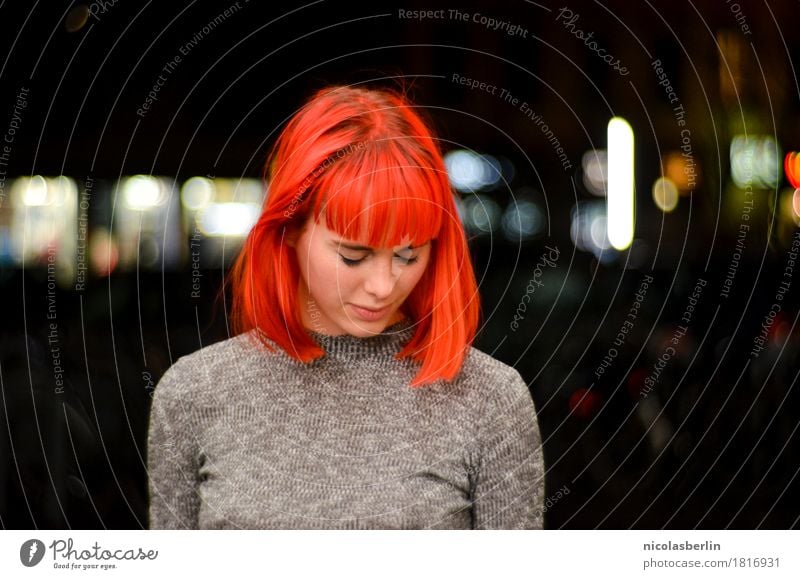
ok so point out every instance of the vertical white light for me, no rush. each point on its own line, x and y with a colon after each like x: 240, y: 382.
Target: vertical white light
x: 620, y: 183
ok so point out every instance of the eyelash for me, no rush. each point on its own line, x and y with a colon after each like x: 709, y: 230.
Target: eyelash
x: 354, y: 262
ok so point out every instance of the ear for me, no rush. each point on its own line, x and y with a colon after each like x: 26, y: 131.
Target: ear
x: 294, y: 230
x: 291, y: 235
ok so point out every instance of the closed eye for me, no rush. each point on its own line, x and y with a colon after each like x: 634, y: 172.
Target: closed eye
x: 354, y: 262
x: 350, y: 262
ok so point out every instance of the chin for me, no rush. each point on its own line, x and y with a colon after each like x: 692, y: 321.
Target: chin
x: 365, y: 329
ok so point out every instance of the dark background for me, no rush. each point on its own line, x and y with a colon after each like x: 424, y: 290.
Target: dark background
x: 713, y: 445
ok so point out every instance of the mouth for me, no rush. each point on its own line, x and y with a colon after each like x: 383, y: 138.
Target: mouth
x: 369, y: 314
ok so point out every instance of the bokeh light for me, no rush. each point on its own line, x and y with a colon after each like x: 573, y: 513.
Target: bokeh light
x: 665, y: 194
x: 621, y: 185
x: 469, y: 171
x: 755, y: 161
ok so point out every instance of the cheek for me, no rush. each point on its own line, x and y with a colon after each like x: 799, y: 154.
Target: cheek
x: 344, y: 279
x: 315, y: 270
x: 331, y: 279
x: 410, y: 281
x: 320, y: 275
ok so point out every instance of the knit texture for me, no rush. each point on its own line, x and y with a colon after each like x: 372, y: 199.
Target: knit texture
x: 244, y: 438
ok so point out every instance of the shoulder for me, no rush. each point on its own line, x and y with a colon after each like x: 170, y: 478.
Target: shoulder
x: 206, y: 374
x: 482, y: 366
x: 488, y: 377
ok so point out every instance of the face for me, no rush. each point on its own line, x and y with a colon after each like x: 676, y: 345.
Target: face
x: 347, y: 288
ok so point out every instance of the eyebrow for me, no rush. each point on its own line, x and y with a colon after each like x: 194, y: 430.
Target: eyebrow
x: 340, y: 243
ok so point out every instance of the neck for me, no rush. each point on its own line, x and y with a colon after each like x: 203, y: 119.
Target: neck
x: 389, y: 342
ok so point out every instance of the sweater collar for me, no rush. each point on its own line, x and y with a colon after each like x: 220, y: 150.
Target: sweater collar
x: 389, y: 341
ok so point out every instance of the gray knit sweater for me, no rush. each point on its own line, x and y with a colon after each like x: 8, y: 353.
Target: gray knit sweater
x: 244, y: 438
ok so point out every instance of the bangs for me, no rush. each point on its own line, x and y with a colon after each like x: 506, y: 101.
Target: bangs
x: 383, y: 195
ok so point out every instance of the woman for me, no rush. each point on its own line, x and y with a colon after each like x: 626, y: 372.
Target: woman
x: 351, y: 396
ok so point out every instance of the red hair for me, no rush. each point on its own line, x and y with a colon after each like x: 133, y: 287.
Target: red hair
x: 366, y: 160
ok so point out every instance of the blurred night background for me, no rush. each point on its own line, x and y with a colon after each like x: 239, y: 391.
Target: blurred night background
x: 662, y: 359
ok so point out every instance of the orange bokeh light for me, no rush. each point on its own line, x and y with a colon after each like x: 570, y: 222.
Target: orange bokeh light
x: 791, y: 164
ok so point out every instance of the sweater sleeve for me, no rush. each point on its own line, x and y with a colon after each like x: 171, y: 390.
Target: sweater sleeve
x: 508, y: 487
x: 171, y: 457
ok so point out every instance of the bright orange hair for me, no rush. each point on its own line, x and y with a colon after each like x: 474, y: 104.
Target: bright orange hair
x: 366, y: 160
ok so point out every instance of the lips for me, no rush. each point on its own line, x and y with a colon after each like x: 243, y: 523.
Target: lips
x: 369, y: 314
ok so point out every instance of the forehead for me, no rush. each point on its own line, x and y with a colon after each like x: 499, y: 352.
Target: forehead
x: 320, y: 230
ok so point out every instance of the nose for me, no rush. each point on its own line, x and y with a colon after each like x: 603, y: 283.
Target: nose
x: 381, y: 279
